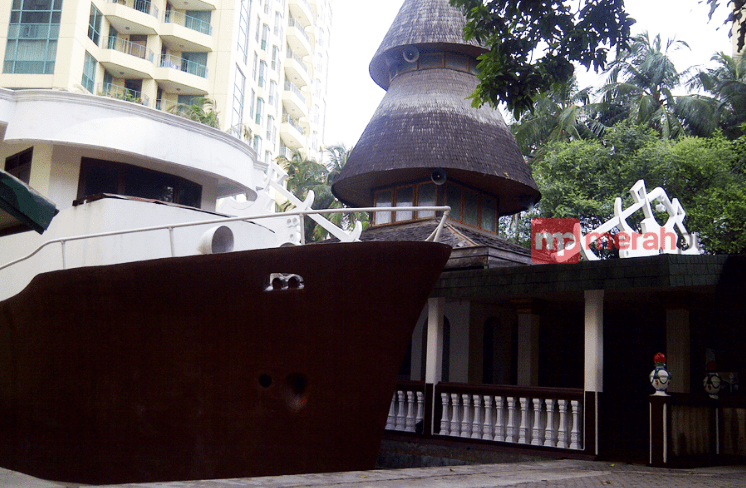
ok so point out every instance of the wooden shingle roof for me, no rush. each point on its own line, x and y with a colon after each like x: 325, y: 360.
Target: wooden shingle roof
x: 424, y: 24
x: 425, y: 122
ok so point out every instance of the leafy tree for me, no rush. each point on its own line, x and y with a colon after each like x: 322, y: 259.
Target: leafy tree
x: 727, y: 84
x: 200, y: 110
x: 581, y: 179
x: 563, y: 114
x: 533, y: 44
x: 641, y: 82
x: 306, y: 174
x: 736, y: 17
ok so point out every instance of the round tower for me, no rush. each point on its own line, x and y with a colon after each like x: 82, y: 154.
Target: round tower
x: 426, y: 144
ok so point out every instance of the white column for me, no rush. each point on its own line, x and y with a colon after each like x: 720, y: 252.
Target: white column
x: 510, y: 425
x: 487, y: 428
x: 523, y: 428
x: 562, y: 430
x: 549, y: 434
x: 444, y: 422
x: 594, y: 340
x: 434, y: 351
x: 466, y: 419
x: 434, y: 358
x: 536, y: 430
x: 499, y: 423
x: 476, y: 424
x: 678, y: 352
x: 455, y: 418
x: 391, y: 419
x: 409, y: 420
x: 401, y: 414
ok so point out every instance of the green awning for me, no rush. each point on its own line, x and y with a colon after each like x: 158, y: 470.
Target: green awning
x: 21, y: 206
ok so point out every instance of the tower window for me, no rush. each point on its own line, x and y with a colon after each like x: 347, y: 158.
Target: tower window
x: 32, y: 36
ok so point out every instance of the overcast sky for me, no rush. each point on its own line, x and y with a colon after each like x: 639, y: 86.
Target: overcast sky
x: 359, y: 27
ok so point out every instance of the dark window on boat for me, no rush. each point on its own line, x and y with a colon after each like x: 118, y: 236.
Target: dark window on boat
x: 19, y: 165
x: 99, y: 176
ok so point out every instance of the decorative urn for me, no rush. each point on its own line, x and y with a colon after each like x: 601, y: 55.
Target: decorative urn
x: 660, y: 376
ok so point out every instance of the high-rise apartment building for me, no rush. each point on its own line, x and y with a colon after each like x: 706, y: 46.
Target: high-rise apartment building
x: 263, y: 62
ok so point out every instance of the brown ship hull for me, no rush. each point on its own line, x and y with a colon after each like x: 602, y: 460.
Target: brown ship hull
x: 189, y: 368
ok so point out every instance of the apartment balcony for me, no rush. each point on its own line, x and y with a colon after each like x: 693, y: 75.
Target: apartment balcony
x: 127, y: 59
x: 302, y: 11
x: 298, y: 39
x: 132, y: 16
x: 294, y: 100
x: 181, y: 32
x: 121, y: 93
x: 179, y: 75
x: 296, y: 69
x: 292, y: 133
x: 193, y: 4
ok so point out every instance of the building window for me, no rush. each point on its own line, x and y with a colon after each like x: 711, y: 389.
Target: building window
x: 258, y: 25
x: 99, y: 176
x: 273, y: 93
x: 275, y: 58
x: 278, y: 24
x: 270, y: 129
x: 255, y: 66
x: 262, y: 73
x: 265, y: 36
x: 243, y: 31
x: 32, y: 36
x: 259, y: 110
x: 472, y: 207
x: 238, y: 98
x: 19, y: 165
x: 94, y: 25
x: 253, y: 97
x: 468, y: 206
x: 257, y: 144
x: 89, y: 72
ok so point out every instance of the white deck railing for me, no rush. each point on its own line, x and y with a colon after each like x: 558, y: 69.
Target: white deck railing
x: 548, y: 417
x: 354, y: 236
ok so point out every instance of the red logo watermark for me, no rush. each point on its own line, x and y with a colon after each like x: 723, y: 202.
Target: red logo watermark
x: 560, y: 241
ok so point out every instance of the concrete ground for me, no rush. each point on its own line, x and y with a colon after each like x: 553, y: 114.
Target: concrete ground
x: 561, y: 473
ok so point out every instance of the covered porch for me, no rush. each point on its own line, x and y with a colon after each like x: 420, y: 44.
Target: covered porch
x: 554, y: 360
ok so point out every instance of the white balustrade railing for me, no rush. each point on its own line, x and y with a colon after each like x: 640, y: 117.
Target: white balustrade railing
x: 536, y: 419
x: 533, y: 416
x: 406, y: 413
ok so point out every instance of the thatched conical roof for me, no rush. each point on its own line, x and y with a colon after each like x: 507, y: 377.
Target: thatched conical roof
x: 424, y: 122
x: 428, y: 24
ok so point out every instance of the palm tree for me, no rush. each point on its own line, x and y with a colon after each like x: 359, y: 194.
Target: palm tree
x: 563, y: 114
x: 199, y: 109
x: 338, y: 155
x: 641, y: 82
x: 727, y: 84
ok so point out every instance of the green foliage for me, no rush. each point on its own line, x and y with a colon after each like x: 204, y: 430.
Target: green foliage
x: 306, y: 174
x: 727, y: 84
x: 736, y: 16
x: 640, y: 88
x: 563, y: 114
x: 533, y: 44
x: 581, y: 179
x: 200, y: 110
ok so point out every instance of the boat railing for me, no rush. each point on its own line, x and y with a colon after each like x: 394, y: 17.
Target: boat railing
x: 340, y: 234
